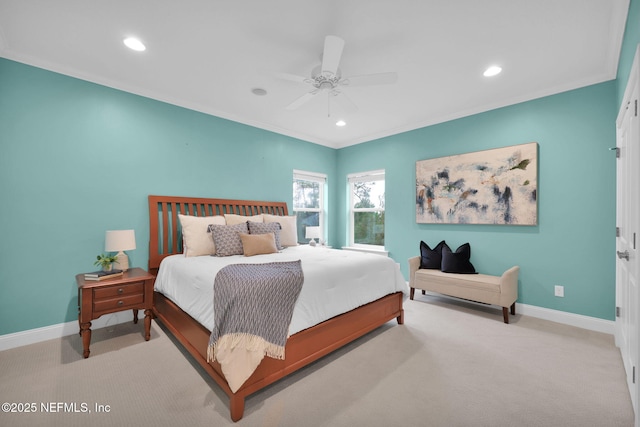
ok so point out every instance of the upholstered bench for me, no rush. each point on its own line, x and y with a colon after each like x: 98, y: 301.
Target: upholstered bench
x: 496, y: 290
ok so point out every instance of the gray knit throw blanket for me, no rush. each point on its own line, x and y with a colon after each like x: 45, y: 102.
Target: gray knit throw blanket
x: 253, y: 305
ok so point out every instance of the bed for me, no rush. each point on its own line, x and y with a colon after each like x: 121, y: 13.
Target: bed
x: 306, y: 344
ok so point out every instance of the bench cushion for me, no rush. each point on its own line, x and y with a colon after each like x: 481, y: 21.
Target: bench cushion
x: 483, y: 282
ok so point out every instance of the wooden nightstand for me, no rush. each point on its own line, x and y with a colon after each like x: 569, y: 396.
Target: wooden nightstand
x: 131, y: 291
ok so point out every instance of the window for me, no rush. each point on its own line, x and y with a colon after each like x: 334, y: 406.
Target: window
x: 366, y: 208
x: 308, y: 202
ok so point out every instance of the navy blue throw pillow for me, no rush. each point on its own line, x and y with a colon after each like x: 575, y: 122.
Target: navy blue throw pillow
x: 458, y: 261
x: 431, y: 258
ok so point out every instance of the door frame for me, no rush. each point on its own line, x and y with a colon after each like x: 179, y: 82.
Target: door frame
x: 628, y: 230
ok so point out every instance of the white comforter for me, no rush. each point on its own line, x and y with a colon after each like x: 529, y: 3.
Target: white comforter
x: 335, y: 281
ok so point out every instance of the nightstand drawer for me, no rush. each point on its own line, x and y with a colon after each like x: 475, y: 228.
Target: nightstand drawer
x: 123, y: 302
x: 119, y: 290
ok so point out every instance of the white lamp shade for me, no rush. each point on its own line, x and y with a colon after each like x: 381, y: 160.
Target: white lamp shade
x: 312, y: 232
x: 120, y: 240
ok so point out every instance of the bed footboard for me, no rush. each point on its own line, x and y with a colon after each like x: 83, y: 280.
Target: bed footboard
x: 302, y: 348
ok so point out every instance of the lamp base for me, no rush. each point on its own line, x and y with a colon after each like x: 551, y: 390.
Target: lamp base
x: 122, y: 262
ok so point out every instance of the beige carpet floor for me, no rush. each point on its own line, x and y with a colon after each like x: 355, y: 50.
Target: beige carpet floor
x: 453, y: 363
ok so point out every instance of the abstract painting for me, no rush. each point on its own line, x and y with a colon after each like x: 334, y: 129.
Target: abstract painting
x: 498, y: 186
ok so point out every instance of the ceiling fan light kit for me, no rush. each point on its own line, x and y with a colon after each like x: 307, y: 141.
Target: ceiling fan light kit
x: 327, y: 78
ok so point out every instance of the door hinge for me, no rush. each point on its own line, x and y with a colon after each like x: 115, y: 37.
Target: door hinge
x: 617, y: 231
x: 617, y: 311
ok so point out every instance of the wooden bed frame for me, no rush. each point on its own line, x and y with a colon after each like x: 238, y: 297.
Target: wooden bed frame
x: 301, y: 349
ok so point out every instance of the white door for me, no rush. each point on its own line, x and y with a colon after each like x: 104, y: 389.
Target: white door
x: 628, y: 227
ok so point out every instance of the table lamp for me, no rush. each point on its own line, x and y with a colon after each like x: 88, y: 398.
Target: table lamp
x: 120, y: 241
x: 312, y: 233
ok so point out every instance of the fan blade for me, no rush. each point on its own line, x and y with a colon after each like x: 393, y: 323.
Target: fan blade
x: 302, y: 100
x: 370, y: 79
x: 333, y: 46
x: 292, y: 77
x: 345, y: 102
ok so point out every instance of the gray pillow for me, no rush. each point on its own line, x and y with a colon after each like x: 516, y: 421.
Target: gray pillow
x: 226, y: 238
x: 265, y: 228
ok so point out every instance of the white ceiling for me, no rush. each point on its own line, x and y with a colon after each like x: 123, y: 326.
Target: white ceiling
x: 208, y: 55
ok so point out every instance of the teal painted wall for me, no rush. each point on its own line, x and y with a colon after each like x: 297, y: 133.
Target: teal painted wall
x: 573, y: 243
x: 90, y: 155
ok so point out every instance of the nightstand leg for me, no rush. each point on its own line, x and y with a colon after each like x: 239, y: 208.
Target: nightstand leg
x: 147, y: 324
x: 85, y: 330
x: 135, y: 315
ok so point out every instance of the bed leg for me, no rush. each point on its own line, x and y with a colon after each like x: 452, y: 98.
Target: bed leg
x: 400, y: 318
x: 236, y: 406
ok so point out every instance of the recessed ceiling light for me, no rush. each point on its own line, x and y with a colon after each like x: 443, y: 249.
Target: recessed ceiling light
x: 341, y: 123
x: 134, y: 44
x: 494, y: 70
x: 258, y: 91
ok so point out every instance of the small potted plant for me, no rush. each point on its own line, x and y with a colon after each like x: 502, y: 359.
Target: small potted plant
x: 105, y: 261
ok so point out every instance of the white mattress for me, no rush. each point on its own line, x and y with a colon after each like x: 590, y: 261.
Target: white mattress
x: 335, y: 282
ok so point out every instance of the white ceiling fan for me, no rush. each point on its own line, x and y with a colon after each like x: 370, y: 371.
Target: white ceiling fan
x: 327, y: 78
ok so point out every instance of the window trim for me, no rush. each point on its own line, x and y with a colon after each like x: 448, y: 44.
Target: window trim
x: 374, y: 175
x: 320, y: 178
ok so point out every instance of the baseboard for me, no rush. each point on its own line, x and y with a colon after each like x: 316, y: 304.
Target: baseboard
x: 60, y: 330
x: 578, y: 320
x: 571, y: 319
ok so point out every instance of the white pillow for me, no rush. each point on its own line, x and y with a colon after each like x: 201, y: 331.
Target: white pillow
x: 196, y: 240
x: 233, y: 219
x: 289, y: 232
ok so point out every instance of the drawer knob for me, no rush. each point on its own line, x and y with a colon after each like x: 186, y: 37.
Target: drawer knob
x: 120, y: 302
x: 120, y: 290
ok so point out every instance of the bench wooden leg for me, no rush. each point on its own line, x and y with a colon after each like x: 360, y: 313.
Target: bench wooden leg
x: 505, y: 314
x: 513, y: 308
x: 411, y: 292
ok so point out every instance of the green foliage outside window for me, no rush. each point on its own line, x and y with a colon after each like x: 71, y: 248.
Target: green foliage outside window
x: 368, y: 225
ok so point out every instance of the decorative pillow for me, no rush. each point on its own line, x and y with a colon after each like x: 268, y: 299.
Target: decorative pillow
x: 266, y: 227
x: 431, y: 258
x: 458, y: 261
x: 196, y: 238
x: 257, y: 244
x: 227, y: 238
x: 237, y: 219
x: 289, y: 232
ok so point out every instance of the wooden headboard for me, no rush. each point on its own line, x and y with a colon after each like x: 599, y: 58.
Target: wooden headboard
x: 165, y: 235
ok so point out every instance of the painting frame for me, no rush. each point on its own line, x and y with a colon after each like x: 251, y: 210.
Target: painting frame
x: 497, y: 186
